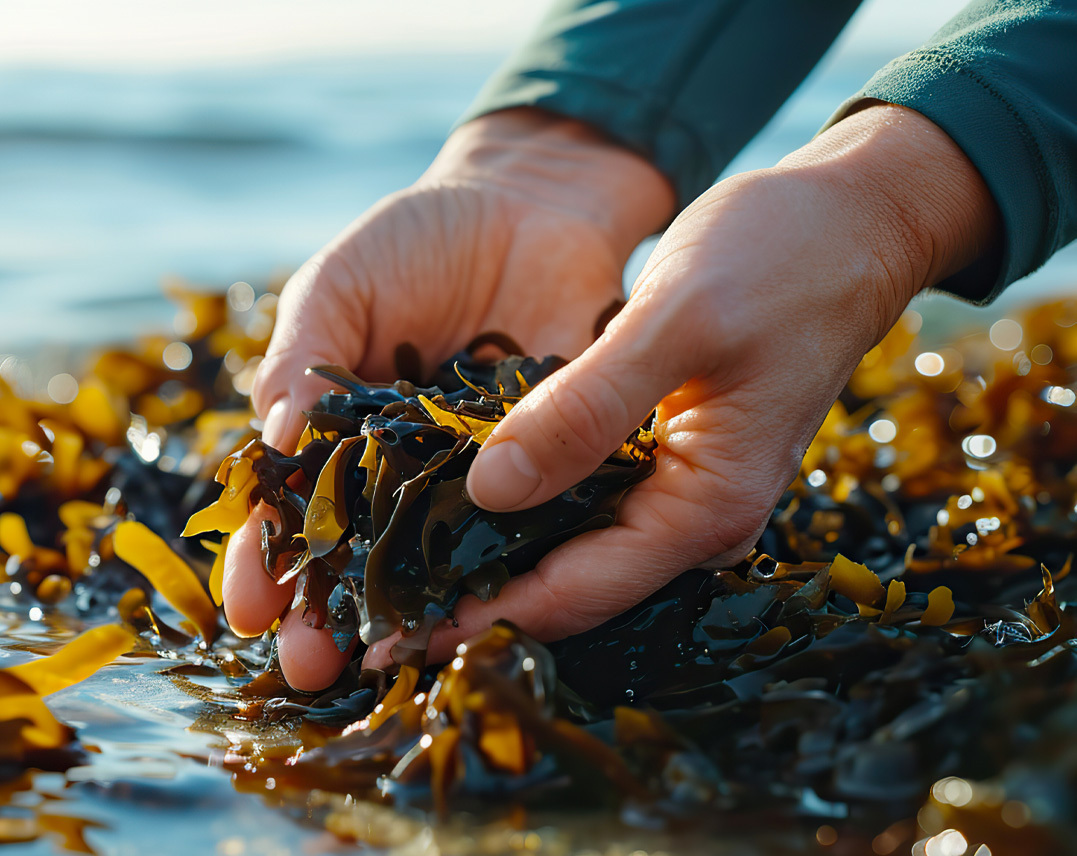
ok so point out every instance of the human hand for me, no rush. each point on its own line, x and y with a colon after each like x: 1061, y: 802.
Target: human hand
x: 521, y: 225
x: 743, y: 328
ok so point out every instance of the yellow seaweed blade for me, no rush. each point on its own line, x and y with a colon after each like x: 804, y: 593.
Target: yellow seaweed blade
x: 327, y: 514
x: 305, y: 439
x: 99, y: 413
x: 369, y: 460
x: 400, y: 693
x: 1043, y: 610
x: 895, y: 597
x: 216, y: 574
x: 76, y: 661
x: 218, y: 517
x: 503, y: 744
x: 940, y: 607
x: 78, y: 547
x: 18, y: 701
x: 147, y: 553
x: 855, y: 581
x: 443, y: 752
x: 478, y: 430
x: 14, y: 536
x: 231, y: 511
x: 66, y: 449
x: 79, y: 516
x: 78, y: 513
x: 770, y: 643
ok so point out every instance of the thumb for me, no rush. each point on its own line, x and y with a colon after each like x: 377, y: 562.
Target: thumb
x: 570, y: 423
x: 315, y: 325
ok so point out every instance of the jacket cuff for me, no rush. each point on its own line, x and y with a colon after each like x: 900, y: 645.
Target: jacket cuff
x: 987, y: 125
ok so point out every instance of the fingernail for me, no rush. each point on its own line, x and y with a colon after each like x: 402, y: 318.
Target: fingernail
x: 502, y: 477
x: 276, y: 422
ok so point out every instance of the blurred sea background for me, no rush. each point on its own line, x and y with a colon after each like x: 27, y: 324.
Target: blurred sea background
x: 225, y: 140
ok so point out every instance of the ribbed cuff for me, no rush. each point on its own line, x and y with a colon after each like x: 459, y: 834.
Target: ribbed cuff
x: 990, y: 129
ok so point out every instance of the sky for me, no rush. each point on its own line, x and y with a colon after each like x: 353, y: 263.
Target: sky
x: 171, y: 33
x: 179, y: 33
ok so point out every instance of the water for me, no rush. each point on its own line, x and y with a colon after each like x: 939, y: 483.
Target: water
x: 111, y: 179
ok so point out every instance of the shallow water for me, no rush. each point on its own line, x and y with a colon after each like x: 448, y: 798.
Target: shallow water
x: 149, y: 782
x: 160, y: 775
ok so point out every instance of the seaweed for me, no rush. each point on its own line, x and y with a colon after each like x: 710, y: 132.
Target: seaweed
x: 891, y: 670
x: 376, y: 528
x: 31, y: 735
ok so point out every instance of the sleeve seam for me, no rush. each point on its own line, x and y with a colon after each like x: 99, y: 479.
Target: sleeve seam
x: 650, y: 116
x: 675, y: 82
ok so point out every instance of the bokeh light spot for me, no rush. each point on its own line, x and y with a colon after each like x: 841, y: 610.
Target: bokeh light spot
x: 930, y: 364
x: 240, y: 296
x: 63, y: 388
x: 1006, y: 334
x: 177, y: 356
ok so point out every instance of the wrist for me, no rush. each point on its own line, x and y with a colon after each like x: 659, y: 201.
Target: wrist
x: 560, y: 163
x: 926, y: 207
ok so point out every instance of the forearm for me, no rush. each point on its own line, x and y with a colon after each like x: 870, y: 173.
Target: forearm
x: 927, y: 213
x: 998, y: 80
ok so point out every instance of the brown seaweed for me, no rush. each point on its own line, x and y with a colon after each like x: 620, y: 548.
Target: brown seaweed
x: 376, y: 527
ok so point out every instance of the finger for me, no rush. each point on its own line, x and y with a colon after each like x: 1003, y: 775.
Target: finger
x: 572, y: 421
x: 378, y: 655
x: 319, y: 320
x: 252, y: 600
x: 309, y: 658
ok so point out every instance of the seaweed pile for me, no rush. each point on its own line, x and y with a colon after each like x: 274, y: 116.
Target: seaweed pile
x: 892, y: 670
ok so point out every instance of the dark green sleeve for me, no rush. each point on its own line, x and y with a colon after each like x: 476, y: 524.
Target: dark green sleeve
x: 1001, y: 80
x: 686, y: 83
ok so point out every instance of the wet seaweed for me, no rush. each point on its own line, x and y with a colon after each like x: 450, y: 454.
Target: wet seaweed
x: 376, y: 528
x: 892, y: 669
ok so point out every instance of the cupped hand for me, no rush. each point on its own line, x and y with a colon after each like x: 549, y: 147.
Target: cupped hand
x: 522, y: 225
x: 747, y: 321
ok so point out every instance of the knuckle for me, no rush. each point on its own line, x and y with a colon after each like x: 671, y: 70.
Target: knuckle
x: 586, y: 413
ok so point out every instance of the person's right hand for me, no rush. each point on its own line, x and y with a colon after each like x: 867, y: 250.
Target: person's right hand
x: 522, y: 225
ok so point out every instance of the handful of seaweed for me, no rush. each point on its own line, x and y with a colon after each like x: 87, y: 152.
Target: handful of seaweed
x: 376, y: 528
